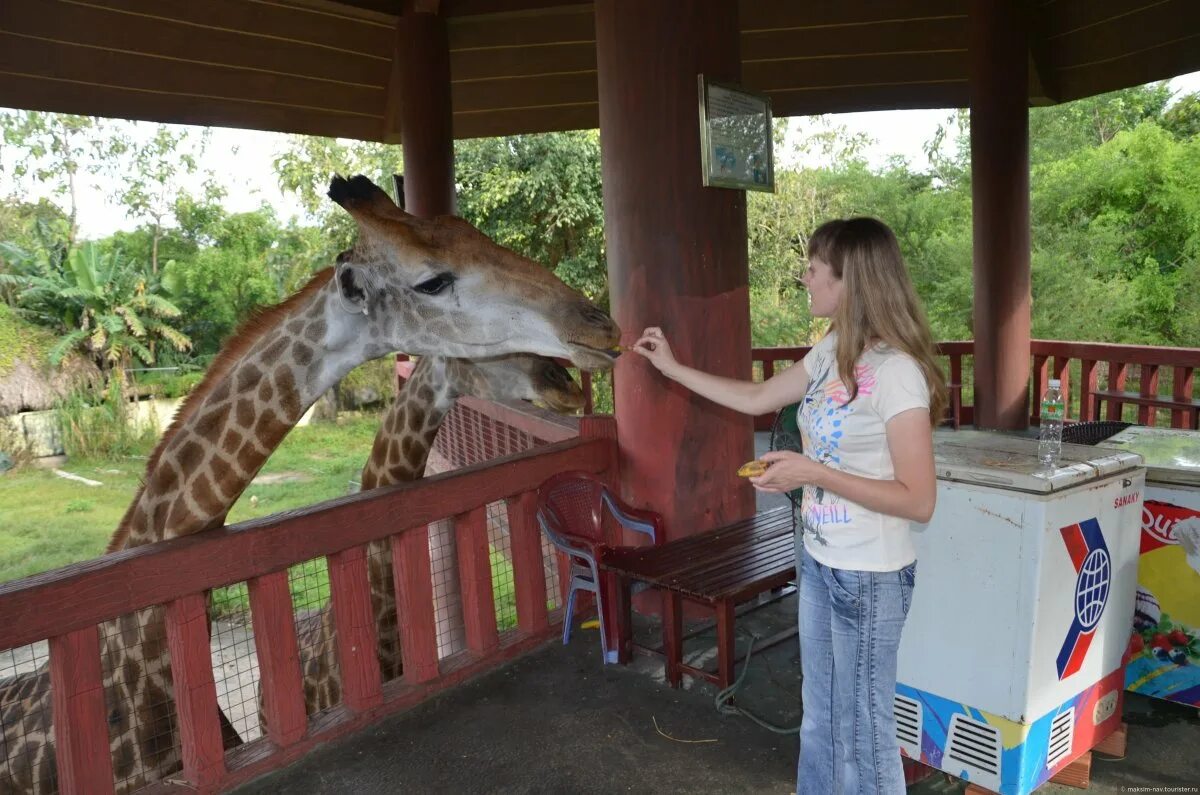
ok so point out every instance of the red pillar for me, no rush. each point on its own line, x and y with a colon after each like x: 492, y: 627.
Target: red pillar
x: 999, y: 52
x: 676, y: 256
x: 424, y: 111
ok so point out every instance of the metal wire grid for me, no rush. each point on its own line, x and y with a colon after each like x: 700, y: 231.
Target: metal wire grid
x: 383, y: 607
x: 316, y: 635
x: 447, y: 591
x: 136, y: 661
x: 25, y: 718
x: 551, y: 569
x: 469, y: 437
x: 503, y: 583
x: 235, y: 660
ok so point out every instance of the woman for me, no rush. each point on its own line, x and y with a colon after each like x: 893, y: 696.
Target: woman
x: 870, y: 393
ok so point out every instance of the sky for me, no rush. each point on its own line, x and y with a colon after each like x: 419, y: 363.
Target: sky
x: 243, y: 161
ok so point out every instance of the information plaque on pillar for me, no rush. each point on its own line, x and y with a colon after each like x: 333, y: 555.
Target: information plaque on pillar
x: 735, y: 137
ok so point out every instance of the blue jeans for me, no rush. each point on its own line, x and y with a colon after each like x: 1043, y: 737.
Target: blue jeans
x: 850, y: 624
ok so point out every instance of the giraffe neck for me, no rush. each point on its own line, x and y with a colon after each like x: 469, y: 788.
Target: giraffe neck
x: 406, y: 435
x: 254, y: 395
x: 255, y: 391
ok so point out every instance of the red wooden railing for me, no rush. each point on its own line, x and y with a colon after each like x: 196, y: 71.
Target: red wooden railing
x: 769, y: 360
x: 1143, y: 384
x: 1098, y: 376
x: 67, y: 605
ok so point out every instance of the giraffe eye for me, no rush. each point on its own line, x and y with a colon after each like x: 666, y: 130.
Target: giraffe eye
x: 436, y: 284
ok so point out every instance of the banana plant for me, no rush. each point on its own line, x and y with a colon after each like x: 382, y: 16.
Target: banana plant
x: 102, y: 305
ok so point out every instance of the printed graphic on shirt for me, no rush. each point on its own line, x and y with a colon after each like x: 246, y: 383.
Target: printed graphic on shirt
x: 822, y: 417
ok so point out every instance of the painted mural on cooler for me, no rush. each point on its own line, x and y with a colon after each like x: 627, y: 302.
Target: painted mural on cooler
x: 1164, y: 649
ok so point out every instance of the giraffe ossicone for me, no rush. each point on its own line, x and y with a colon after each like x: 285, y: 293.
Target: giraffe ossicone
x: 432, y: 287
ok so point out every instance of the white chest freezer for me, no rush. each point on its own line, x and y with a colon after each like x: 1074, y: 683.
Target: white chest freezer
x: 1164, y: 646
x: 1011, y: 661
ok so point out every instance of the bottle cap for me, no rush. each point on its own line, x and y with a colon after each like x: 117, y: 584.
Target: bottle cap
x: 1054, y: 382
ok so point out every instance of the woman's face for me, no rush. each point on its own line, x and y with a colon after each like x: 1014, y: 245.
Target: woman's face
x: 824, y: 289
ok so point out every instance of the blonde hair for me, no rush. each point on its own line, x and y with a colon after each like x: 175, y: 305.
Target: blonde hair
x: 878, y: 302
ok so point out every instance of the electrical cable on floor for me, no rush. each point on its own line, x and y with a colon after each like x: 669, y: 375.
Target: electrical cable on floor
x: 726, y: 695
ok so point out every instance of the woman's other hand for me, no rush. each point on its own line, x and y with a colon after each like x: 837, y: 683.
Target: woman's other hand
x: 786, y: 471
x: 654, y: 346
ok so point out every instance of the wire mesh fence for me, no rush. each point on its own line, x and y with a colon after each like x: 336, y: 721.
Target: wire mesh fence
x: 381, y: 577
x: 447, y: 591
x: 503, y: 584
x: 235, y: 662
x: 142, y: 720
x: 316, y: 635
x: 25, y: 720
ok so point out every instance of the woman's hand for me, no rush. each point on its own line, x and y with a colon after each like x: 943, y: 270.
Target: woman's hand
x: 787, y: 471
x: 654, y: 346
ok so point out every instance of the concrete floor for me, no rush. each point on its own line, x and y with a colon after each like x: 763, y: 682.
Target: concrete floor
x: 556, y: 721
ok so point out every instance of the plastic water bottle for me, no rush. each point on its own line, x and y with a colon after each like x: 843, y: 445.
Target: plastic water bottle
x: 1050, y: 433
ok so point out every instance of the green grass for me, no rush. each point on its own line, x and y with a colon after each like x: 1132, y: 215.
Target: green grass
x: 47, y: 521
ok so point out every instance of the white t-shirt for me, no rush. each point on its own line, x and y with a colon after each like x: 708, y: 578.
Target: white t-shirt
x: 853, y: 438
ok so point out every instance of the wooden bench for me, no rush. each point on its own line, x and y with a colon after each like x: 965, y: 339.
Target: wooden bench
x: 721, y: 569
x: 1116, y: 397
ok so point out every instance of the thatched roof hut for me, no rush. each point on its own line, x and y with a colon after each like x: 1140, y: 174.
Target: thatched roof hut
x: 28, y: 382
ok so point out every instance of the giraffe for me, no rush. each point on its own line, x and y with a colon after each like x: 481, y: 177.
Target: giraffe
x: 399, y: 454
x: 424, y: 286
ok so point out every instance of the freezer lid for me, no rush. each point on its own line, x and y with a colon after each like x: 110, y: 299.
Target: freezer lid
x: 1172, y: 454
x: 1009, y: 461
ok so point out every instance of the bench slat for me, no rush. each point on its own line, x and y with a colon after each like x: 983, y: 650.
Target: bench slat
x: 659, y: 564
x: 748, y: 575
x: 743, y: 562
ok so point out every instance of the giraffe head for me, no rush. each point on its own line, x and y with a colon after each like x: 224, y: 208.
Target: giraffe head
x: 450, y: 290
x: 518, y: 377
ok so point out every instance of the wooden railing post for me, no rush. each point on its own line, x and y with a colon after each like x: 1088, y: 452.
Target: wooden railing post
x: 278, y: 658
x: 589, y: 399
x: 350, y: 591
x: 604, y: 427
x: 956, y: 389
x: 1181, y: 390
x: 475, y: 575
x: 1116, y: 382
x: 1147, y: 388
x: 1041, y: 380
x: 195, y: 691
x: 1062, y: 371
x: 529, y: 572
x: 80, y: 725
x: 414, y: 605
x: 1088, y: 376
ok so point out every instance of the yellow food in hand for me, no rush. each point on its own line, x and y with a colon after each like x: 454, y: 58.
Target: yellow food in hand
x: 752, y: 469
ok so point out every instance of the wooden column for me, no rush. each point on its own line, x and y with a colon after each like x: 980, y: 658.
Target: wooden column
x: 420, y: 104
x: 999, y: 56
x: 676, y: 257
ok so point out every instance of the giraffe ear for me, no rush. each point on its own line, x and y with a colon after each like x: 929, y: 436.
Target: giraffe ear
x: 354, y: 287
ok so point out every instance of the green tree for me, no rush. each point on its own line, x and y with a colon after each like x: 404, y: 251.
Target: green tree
x: 1182, y: 119
x: 1058, y: 131
x: 1124, y: 215
x: 149, y: 174
x: 56, y: 149
x: 540, y: 195
x: 39, y: 229
x: 226, y: 279
x: 99, y: 304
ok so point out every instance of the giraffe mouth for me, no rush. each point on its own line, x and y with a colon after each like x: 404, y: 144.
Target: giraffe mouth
x: 597, y: 358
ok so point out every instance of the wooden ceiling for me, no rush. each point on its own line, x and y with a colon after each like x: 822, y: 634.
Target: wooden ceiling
x: 325, y: 68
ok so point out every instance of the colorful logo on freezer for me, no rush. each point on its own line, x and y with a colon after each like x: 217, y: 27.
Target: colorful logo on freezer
x: 1093, y: 567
